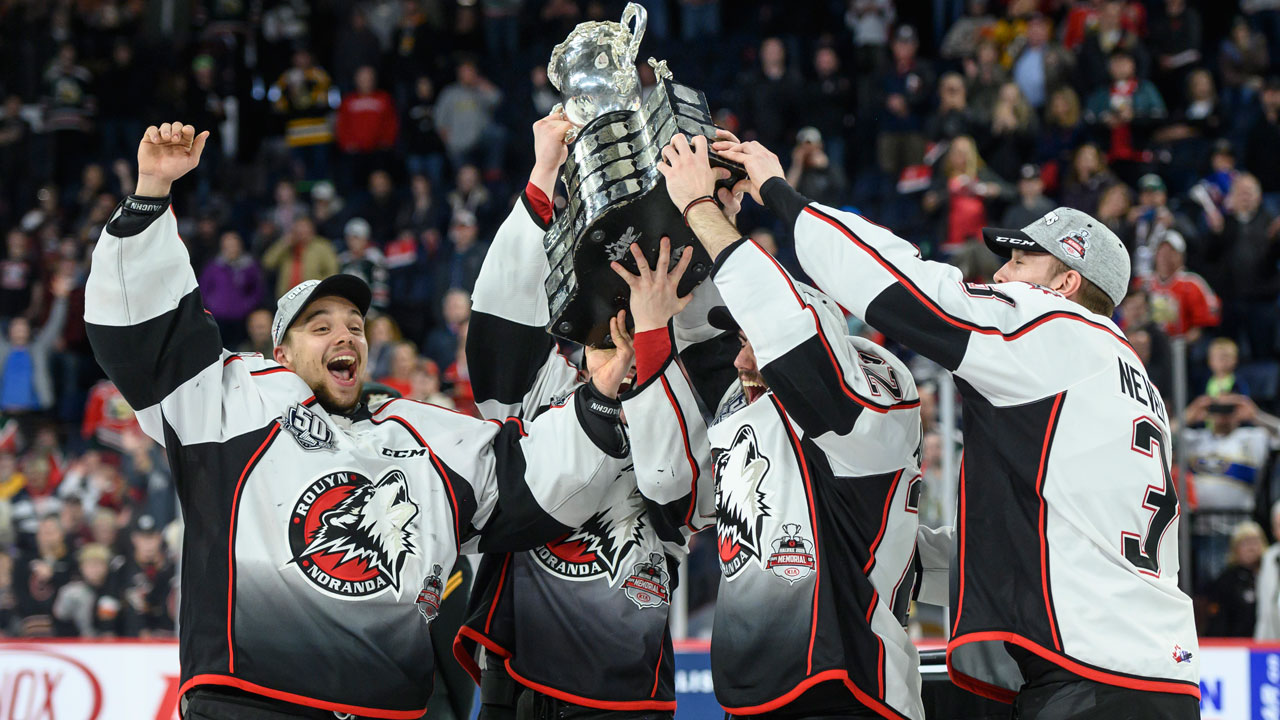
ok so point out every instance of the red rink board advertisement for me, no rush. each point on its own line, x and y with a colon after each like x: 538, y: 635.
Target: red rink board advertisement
x: 102, y: 680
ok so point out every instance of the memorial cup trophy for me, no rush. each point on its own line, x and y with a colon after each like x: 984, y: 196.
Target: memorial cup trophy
x: 616, y: 194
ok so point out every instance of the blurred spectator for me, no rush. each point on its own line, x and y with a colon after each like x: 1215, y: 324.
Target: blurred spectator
x: 1241, y: 261
x: 830, y: 99
x: 1041, y: 66
x: 962, y: 38
x: 383, y: 335
x: 412, y: 264
x: 355, y: 47
x: 952, y: 118
x: 1267, y: 626
x: 8, y: 597
x: 69, y: 107
x: 1224, y: 359
x: 424, y: 150
x: 413, y: 47
x: 258, y: 332
x: 15, y: 156
x: 699, y: 19
x: 88, y: 606
x: 404, y: 360
x: 206, y: 106
x: 1264, y: 137
x: 1152, y: 218
x: 458, y: 378
x: 327, y: 210
x: 1086, y: 178
x: 422, y: 213
x: 1113, y: 211
x: 1010, y: 139
x: 471, y: 196
x: 38, y: 497
x: 812, y: 172
x: 146, y: 583
x: 42, y: 568
x: 232, y: 286
x: 1229, y: 453
x: 299, y: 256
x: 1110, y: 36
x: 906, y: 88
x: 301, y: 95
x: 379, y: 206
x: 869, y: 21
x: 461, y: 264
x: 288, y: 207
x: 444, y: 341
x: 1135, y: 314
x: 18, y: 275
x: 1125, y: 109
x: 366, y: 128
x: 960, y: 192
x: 146, y: 473
x: 1242, y: 64
x: 108, y: 418
x: 1232, y: 598
x: 984, y: 76
x: 1031, y: 204
x: 769, y: 94
x: 1181, y: 301
x: 464, y: 119
x: 1175, y: 40
x: 26, y: 384
x: 501, y: 28
x: 425, y: 385
x: 364, y: 261
x: 1061, y: 133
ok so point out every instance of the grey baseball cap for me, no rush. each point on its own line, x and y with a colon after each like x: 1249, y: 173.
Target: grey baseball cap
x: 1081, y: 242
x: 291, y: 305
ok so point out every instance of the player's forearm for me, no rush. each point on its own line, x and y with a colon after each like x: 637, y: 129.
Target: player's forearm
x: 712, y: 228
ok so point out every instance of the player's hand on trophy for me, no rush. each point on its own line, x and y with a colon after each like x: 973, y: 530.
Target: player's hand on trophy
x: 653, y: 291
x: 609, y: 367
x: 730, y: 200
x: 166, y: 153
x: 761, y: 164
x: 549, y: 150
x: 688, y: 171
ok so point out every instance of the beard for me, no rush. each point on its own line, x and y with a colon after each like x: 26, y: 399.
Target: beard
x: 753, y: 384
x: 333, y: 404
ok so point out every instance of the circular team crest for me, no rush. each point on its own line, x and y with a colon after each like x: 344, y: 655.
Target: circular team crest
x: 350, y: 536
x: 792, y: 557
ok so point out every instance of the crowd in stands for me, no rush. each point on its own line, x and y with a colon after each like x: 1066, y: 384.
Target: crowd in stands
x: 389, y: 138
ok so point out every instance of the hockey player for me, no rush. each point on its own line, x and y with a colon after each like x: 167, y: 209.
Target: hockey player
x: 1064, y: 586
x: 578, y: 626
x: 320, y: 533
x: 812, y: 489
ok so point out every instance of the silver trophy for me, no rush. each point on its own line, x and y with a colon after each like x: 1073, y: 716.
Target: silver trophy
x: 616, y: 194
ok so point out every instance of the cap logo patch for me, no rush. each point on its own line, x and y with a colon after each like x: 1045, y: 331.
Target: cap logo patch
x: 1076, y: 244
x: 1050, y: 218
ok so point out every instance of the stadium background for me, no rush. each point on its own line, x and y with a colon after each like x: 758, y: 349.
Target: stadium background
x: 390, y: 137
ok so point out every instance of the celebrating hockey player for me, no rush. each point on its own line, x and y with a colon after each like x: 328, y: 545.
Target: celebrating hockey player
x: 319, y: 532
x: 1064, y: 591
x: 578, y: 625
x: 812, y: 489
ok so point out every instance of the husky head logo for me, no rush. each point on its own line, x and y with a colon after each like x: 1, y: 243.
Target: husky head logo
x: 351, y: 536
x: 597, y: 547
x: 740, y: 503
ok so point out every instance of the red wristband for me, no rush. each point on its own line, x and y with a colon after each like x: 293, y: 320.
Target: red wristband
x: 653, y: 347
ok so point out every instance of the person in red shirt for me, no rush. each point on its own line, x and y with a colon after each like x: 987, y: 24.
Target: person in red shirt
x: 107, y: 417
x: 367, y: 127
x: 1181, y: 301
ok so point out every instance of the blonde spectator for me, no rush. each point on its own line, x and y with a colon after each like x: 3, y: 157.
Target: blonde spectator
x: 1224, y: 356
x: 1232, y: 598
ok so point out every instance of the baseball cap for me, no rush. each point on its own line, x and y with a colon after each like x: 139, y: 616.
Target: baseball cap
x: 357, y: 226
x: 1078, y: 240
x: 144, y: 524
x: 809, y: 134
x: 462, y: 216
x: 1151, y: 182
x: 289, y: 307
x: 1222, y: 146
x: 323, y: 190
x: 1029, y: 172
x: 720, y: 318
x: 905, y: 33
x: 1174, y: 238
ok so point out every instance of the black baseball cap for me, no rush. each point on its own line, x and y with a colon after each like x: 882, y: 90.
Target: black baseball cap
x: 720, y: 318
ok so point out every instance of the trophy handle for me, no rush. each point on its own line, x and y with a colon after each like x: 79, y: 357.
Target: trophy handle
x: 641, y: 16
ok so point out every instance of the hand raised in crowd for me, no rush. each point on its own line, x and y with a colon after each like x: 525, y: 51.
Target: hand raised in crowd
x: 761, y: 164
x: 610, y: 366
x: 60, y: 286
x: 653, y: 291
x: 549, y: 150
x: 165, y: 154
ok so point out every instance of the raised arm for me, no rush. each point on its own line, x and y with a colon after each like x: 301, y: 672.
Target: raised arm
x: 143, y: 312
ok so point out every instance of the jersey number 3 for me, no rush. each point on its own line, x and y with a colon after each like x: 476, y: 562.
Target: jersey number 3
x: 1144, y: 551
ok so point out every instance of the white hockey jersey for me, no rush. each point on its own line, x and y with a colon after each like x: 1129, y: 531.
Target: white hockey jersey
x: 1066, y: 544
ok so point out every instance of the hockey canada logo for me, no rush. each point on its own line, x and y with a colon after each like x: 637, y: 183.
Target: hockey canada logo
x: 740, y: 505
x: 308, y: 428
x: 1076, y: 244
x: 1181, y: 656
x: 350, y: 536
x: 597, y: 547
x: 792, y: 557
x: 431, y: 594
x: 649, y: 582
